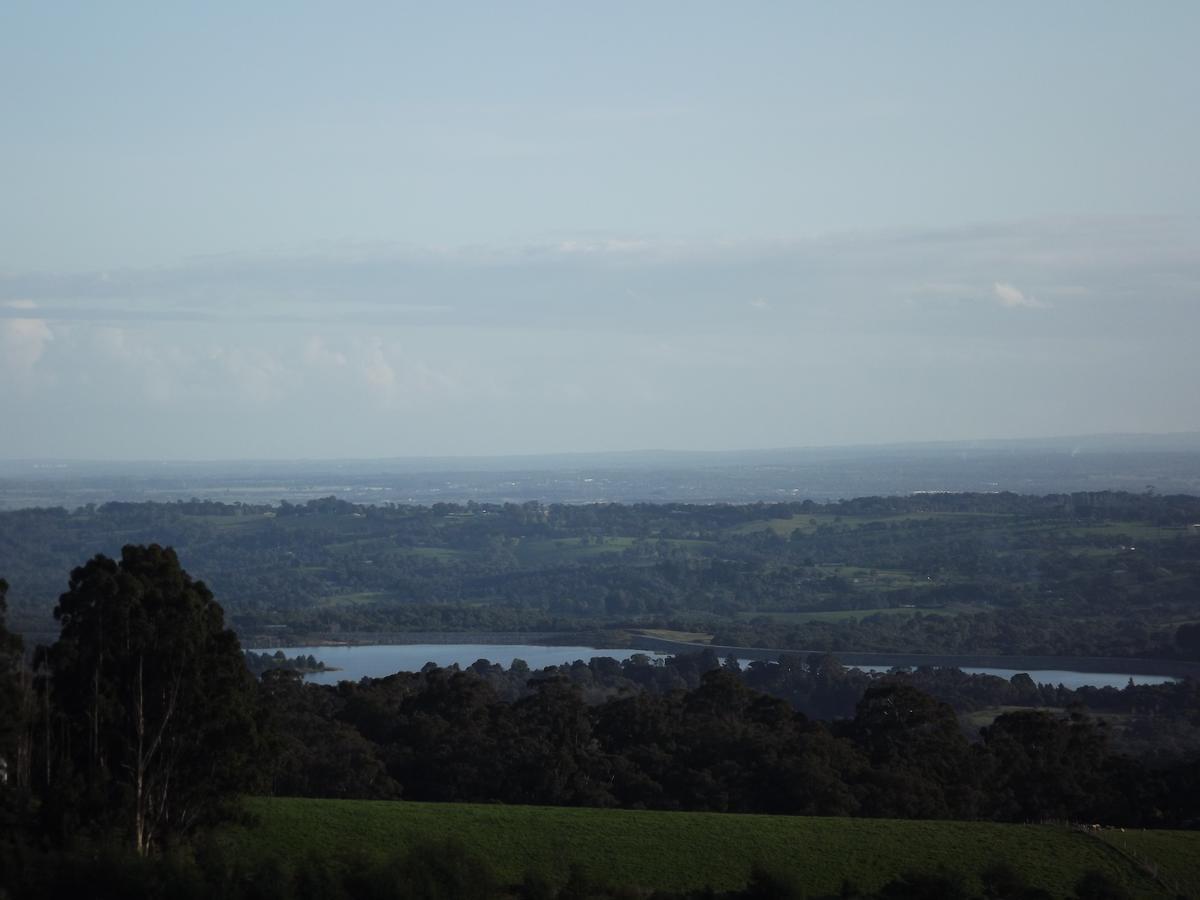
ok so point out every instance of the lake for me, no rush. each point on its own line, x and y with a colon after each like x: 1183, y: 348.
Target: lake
x: 379, y: 660
x: 1067, y: 679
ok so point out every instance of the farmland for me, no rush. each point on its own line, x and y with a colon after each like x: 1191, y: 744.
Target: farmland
x: 1102, y: 574
x: 692, y: 850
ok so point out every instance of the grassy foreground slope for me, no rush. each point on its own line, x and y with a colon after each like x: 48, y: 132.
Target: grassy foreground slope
x: 1173, y: 855
x: 687, y: 850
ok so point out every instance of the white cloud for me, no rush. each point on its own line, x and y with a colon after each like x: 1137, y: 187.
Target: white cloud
x: 397, y: 380
x: 111, y: 341
x: 760, y: 303
x: 572, y: 282
x: 319, y: 356
x: 19, y: 304
x: 23, y: 342
x: 1012, y: 297
x: 378, y: 372
x: 257, y: 375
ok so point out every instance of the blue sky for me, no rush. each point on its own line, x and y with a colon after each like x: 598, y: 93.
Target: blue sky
x: 311, y: 230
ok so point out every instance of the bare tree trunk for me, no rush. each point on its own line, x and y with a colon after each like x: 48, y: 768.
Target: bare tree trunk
x: 146, y: 784
x: 139, y: 769
x: 24, y: 761
x: 46, y: 720
x: 94, y: 749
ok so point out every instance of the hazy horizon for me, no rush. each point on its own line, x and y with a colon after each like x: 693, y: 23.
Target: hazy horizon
x: 301, y: 232
x: 1188, y: 441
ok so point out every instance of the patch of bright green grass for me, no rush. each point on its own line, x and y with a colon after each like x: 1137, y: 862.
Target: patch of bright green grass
x: 842, y: 615
x: 361, y: 598
x: 809, y: 523
x: 1174, y: 856
x: 687, y: 637
x: 690, y: 850
x: 562, y: 550
x: 1138, y: 531
x: 445, y: 554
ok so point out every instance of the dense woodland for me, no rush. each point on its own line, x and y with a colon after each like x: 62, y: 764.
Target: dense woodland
x: 141, y: 725
x: 145, y: 693
x: 259, y: 663
x: 721, y: 746
x: 1112, y: 574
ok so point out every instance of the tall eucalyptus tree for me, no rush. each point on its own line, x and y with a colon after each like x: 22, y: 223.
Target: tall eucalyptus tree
x: 152, y: 701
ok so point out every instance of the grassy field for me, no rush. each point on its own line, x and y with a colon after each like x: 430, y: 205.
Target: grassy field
x: 687, y: 637
x: 1174, y: 856
x: 688, y: 850
x: 841, y: 615
x: 565, y: 550
x: 981, y: 718
x: 362, y: 598
x: 808, y: 523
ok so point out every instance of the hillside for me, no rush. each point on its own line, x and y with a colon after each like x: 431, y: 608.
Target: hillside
x: 1097, y: 574
x: 690, y: 850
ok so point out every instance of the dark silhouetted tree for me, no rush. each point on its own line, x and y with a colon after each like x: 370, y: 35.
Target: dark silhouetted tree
x: 10, y: 694
x: 151, y: 698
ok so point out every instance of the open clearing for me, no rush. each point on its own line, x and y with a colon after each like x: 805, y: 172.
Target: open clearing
x: 684, y: 637
x: 842, y: 615
x: 809, y: 523
x: 689, y: 850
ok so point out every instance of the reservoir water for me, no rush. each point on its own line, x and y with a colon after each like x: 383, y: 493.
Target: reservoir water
x: 1067, y: 679
x: 379, y: 660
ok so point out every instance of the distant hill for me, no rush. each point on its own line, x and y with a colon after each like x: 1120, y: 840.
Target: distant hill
x: 1167, y: 463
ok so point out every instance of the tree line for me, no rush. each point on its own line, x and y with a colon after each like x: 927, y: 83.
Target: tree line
x: 1089, y: 574
x: 141, y: 725
x: 143, y: 720
x: 445, y: 735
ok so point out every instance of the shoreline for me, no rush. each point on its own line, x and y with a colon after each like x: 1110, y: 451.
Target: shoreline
x: 1172, y: 668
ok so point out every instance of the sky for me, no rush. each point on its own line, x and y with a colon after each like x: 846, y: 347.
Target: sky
x: 313, y: 230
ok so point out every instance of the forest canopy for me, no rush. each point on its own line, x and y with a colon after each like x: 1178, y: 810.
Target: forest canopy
x: 1108, y: 574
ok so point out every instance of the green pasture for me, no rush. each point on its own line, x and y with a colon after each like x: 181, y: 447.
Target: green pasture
x: 1172, y: 856
x: 362, y: 598
x: 881, y: 578
x: 843, y: 615
x: 982, y: 526
x: 687, y: 637
x: 808, y: 523
x: 1138, y: 531
x: 690, y: 850
x: 562, y: 550
x: 982, y: 718
x: 442, y: 554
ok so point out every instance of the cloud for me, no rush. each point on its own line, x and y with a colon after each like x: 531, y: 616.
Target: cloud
x: 396, y: 379
x: 760, y: 304
x: 256, y: 376
x: 905, y: 279
x: 19, y: 304
x: 111, y: 341
x: 1012, y: 297
x: 23, y: 342
x: 319, y: 356
x: 378, y: 372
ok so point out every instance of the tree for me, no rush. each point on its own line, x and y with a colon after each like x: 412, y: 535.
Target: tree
x: 1187, y: 637
x: 152, y: 699
x: 1048, y: 767
x: 919, y: 758
x: 10, y: 693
